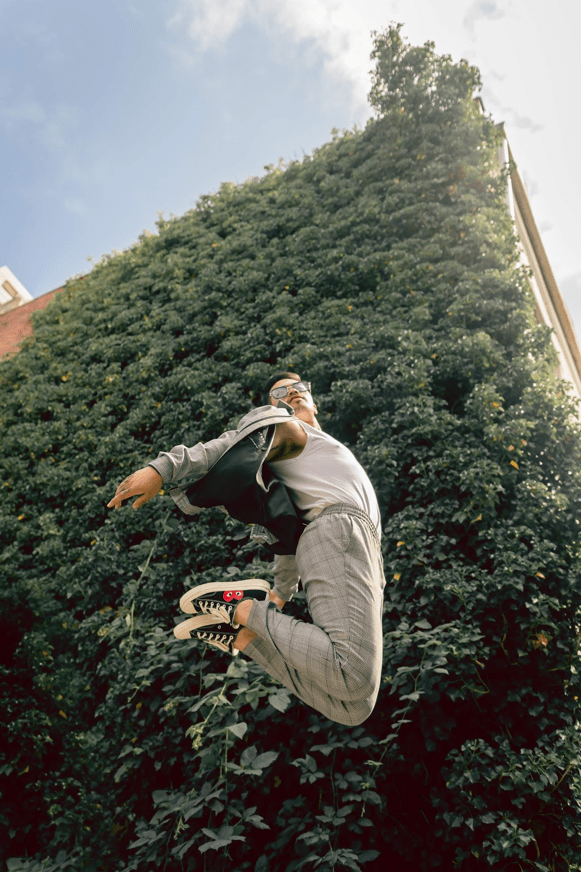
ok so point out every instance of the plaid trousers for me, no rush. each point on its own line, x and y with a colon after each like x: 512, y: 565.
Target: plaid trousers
x: 333, y: 664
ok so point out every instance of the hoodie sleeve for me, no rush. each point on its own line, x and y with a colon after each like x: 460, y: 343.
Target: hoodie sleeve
x: 183, y: 464
x: 286, y: 576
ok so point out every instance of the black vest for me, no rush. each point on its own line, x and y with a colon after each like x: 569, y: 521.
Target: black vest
x: 232, y: 483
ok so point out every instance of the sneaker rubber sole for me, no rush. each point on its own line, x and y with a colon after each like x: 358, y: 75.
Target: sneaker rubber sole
x: 209, y: 630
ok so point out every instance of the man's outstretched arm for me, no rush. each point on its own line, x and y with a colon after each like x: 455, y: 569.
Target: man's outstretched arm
x: 144, y: 484
x: 168, y: 467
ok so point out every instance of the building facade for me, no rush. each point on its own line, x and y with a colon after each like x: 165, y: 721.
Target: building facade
x: 16, y: 307
x: 550, y: 308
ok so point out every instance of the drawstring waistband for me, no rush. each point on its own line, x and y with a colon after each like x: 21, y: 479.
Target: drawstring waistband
x: 345, y: 509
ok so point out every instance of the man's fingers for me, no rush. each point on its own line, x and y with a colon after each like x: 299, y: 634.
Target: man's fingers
x: 143, y: 484
x: 123, y: 492
x: 118, y: 500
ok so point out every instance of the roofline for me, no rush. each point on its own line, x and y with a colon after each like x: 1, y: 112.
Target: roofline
x: 524, y: 207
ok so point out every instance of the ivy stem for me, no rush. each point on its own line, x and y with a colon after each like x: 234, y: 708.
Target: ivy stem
x: 141, y: 577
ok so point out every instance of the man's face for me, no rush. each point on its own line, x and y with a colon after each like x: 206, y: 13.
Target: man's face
x: 300, y: 401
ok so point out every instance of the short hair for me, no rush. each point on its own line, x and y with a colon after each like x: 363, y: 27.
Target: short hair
x: 273, y: 380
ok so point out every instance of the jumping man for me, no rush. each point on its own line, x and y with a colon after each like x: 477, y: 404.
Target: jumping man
x: 319, y: 510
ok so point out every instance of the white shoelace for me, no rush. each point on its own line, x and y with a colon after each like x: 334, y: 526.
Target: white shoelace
x: 217, y: 610
x: 221, y: 641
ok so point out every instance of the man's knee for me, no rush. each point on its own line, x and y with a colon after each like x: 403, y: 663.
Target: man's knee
x: 359, y: 688
x: 351, y: 714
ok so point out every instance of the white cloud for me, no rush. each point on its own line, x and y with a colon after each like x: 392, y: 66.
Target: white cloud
x: 209, y: 23
x: 341, y: 32
x: 512, y: 117
x: 50, y: 126
x: 338, y: 32
x: 481, y: 9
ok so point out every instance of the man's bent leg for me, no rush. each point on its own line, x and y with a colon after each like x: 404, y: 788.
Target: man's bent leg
x: 334, y: 664
x: 241, y: 616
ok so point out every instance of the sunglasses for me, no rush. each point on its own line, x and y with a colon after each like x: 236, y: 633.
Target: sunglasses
x: 281, y: 392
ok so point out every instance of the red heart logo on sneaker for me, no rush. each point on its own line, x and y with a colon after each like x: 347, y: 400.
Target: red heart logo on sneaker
x: 233, y: 594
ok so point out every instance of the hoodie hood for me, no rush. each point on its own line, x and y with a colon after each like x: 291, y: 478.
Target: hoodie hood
x: 265, y: 415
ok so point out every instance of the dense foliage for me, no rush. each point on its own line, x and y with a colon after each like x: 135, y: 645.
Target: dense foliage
x: 383, y: 268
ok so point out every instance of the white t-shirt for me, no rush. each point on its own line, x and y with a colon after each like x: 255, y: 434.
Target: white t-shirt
x: 326, y: 473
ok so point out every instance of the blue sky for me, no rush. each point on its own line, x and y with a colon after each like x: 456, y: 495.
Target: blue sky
x: 113, y: 112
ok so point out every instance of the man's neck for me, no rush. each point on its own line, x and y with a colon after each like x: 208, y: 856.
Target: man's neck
x: 308, y: 418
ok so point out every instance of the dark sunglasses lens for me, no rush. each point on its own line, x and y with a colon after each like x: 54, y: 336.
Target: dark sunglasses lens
x: 279, y: 393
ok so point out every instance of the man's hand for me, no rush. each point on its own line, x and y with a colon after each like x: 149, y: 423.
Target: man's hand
x: 145, y: 483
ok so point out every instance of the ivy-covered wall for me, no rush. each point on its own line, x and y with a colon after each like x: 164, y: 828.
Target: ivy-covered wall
x: 384, y: 269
